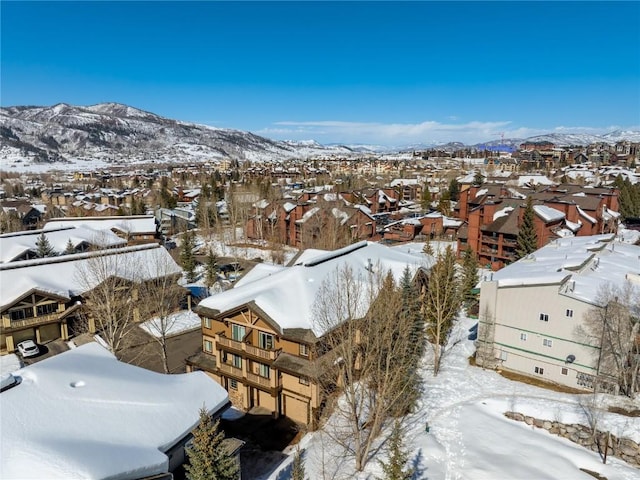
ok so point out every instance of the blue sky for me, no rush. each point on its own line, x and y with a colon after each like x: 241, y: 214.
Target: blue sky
x: 387, y: 73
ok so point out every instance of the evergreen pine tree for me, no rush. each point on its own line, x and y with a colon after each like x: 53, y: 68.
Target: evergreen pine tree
x: 43, y: 247
x: 208, y: 457
x: 527, y: 237
x: 425, y: 201
x: 469, y: 276
x: 395, y: 467
x: 428, y: 248
x: 411, y: 315
x: 69, y: 249
x: 211, y: 268
x: 187, y: 256
x: 478, y: 179
x: 297, y: 468
x: 454, y: 190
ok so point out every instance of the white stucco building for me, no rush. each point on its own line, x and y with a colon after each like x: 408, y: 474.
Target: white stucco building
x: 530, y: 311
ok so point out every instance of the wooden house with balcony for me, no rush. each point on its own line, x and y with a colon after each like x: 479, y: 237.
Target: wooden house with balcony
x: 42, y: 299
x: 260, y: 340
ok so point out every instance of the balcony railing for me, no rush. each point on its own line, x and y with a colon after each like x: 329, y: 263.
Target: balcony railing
x: 249, y: 349
x: 262, y: 381
x: 27, y: 322
x: 230, y: 369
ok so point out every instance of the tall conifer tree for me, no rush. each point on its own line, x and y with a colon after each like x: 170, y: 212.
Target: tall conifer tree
x: 527, y: 237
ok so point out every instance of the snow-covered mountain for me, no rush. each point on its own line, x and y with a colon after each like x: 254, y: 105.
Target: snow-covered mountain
x: 115, y: 132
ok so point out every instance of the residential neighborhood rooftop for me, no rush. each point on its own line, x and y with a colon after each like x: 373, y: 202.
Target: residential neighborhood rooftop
x: 84, y: 414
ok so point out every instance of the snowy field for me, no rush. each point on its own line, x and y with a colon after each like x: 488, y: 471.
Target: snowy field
x: 469, y: 437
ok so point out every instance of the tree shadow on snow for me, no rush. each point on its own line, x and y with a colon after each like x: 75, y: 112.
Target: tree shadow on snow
x: 418, y: 469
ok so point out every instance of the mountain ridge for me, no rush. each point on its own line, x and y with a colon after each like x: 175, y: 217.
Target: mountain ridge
x: 114, y: 131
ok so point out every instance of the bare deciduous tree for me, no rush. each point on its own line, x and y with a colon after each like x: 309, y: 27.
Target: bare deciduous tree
x: 615, y: 327
x: 441, y: 303
x: 160, y: 297
x: 367, y: 342
x: 110, y: 298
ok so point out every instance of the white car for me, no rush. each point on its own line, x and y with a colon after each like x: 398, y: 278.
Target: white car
x: 28, y: 348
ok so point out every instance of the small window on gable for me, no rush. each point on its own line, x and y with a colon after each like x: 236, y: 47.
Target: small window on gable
x: 547, y: 342
x: 207, y: 323
x: 569, y: 312
x: 564, y: 371
x: 208, y: 346
x: 304, y: 350
x: 523, y: 337
x: 544, y: 317
x: 539, y: 370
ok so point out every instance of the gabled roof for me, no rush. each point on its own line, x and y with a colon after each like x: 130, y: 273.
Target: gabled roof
x: 61, y: 275
x: 84, y: 414
x: 14, y: 245
x: 288, y: 296
x: 134, y: 224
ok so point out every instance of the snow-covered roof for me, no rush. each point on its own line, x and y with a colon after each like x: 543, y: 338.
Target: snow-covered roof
x: 84, y: 414
x: 533, y: 179
x: 503, y: 212
x: 287, y: 296
x: 548, y: 214
x: 137, y: 224
x: 14, y: 245
x: 62, y: 276
x: 586, y: 215
x: 587, y: 262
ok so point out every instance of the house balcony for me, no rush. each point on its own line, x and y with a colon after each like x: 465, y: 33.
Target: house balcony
x: 242, y: 347
x: 263, y: 382
x: 8, y: 324
x: 231, y: 370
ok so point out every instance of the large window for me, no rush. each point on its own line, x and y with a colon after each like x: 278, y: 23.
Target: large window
x: 236, y: 361
x: 237, y: 332
x: 47, y: 309
x: 207, y: 323
x: 22, y: 313
x: 265, y: 341
x: 264, y: 370
x: 208, y: 346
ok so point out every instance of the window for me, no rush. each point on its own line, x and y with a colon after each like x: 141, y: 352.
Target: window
x: 208, y: 346
x: 523, y: 337
x: 233, y: 384
x: 207, y: 323
x: 237, y: 332
x: 47, y: 309
x: 569, y: 312
x: 539, y: 370
x: 564, y: 371
x: 304, y: 381
x: 236, y: 361
x: 264, y: 370
x: 22, y: 313
x: 265, y: 341
x: 304, y: 350
x: 503, y: 355
x: 544, y: 317
x: 547, y: 342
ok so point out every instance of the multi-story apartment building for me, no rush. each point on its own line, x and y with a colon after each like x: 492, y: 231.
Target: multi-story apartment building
x: 531, y: 311
x: 492, y: 216
x: 260, y: 340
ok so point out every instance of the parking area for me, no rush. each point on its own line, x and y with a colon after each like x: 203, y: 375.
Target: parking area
x: 47, y: 350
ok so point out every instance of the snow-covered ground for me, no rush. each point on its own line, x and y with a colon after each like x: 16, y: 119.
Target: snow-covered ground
x: 9, y: 363
x: 471, y: 439
x: 176, y: 323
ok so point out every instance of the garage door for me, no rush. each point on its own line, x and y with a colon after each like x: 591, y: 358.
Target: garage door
x: 49, y: 332
x: 295, y: 409
x: 28, y: 334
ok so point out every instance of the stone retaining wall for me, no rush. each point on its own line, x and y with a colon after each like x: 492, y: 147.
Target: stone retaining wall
x: 623, y: 448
